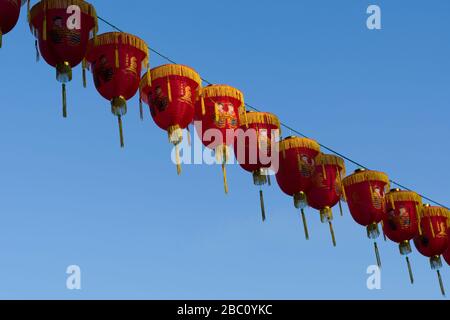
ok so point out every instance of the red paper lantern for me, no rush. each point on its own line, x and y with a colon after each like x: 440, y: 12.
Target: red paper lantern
x: 60, y: 46
x: 365, y: 194
x: 171, y: 96
x: 401, y: 221
x: 326, y: 188
x: 116, y: 60
x: 9, y: 15
x: 219, y: 111
x: 253, y: 147
x: 434, y: 240
x: 297, y: 161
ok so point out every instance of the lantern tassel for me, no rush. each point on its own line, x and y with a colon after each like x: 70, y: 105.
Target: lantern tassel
x: 333, y: 237
x: 188, y: 133
x: 263, y: 210
x: 37, y: 50
x: 28, y: 11
x: 225, y: 183
x: 119, y: 120
x: 441, y: 283
x: 340, y: 208
x: 141, y: 110
x: 305, y: 225
x: 1, y: 38
x: 411, y: 276
x: 382, y: 230
x: 377, y: 254
x: 84, y: 73
x: 169, y: 90
x: 64, y: 100
x: 268, y: 179
x: 203, y: 106
x: 177, y: 155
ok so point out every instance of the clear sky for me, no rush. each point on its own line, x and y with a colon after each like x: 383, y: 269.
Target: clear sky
x: 70, y: 195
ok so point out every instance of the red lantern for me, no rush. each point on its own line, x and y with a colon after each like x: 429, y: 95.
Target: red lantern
x: 63, y: 47
x: 171, y: 95
x: 297, y: 160
x: 219, y: 112
x: 116, y: 61
x: 326, y: 189
x: 9, y: 15
x: 401, y: 221
x: 253, y: 147
x: 433, y: 242
x: 365, y: 194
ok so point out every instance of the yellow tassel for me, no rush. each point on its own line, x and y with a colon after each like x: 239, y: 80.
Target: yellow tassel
x: 418, y: 219
x: 333, y: 237
x: 432, y: 228
x: 225, y: 183
x: 245, y: 114
x: 28, y: 11
x: 177, y: 151
x: 340, y: 208
x: 169, y: 89
x: 119, y: 120
x: 44, y: 25
x: 216, y: 112
x: 84, y: 72
x: 64, y: 100
x: 188, y: 133
x: 305, y: 224
x: 263, y: 210
x: 202, y: 100
x: 382, y: 230
x: 324, y: 172
x: 117, y: 57
x: 149, y: 76
x: 141, y: 109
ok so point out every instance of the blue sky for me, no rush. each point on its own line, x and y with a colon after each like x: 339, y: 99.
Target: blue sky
x: 70, y: 195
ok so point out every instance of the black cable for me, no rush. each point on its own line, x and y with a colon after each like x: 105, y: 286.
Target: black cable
x: 288, y: 127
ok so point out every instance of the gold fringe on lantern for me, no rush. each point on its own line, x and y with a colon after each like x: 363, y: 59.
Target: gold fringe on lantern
x: 366, y: 176
x: 44, y: 5
x: 263, y: 118
x: 329, y: 159
x: 175, y: 134
x: 220, y: 90
x: 403, y: 195
x: 430, y: 211
x: 297, y: 142
x: 124, y: 39
x: 168, y: 70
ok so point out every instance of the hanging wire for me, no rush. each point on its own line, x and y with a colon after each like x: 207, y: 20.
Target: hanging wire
x: 393, y: 182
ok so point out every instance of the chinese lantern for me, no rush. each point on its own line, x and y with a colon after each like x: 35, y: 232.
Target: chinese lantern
x: 253, y: 147
x: 62, y: 45
x: 297, y: 160
x: 433, y: 242
x: 401, y: 221
x: 116, y: 60
x: 326, y: 188
x: 9, y: 15
x: 171, y: 91
x: 219, y: 111
x: 365, y: 194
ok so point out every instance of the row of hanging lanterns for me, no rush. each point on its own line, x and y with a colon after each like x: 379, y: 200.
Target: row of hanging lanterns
x: 175, y: 97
